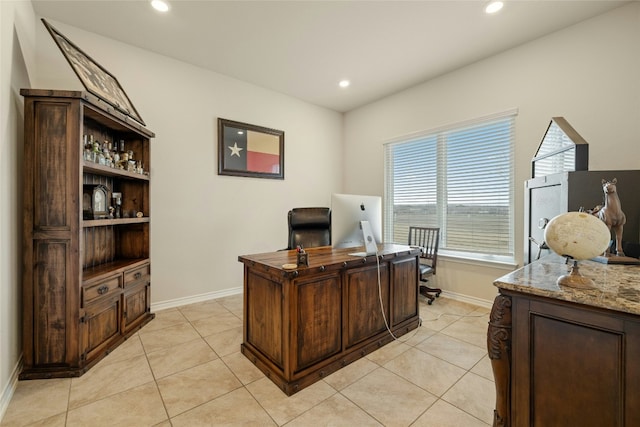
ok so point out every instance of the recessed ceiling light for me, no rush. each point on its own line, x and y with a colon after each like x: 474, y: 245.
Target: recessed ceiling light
x: 493, y: 7
x: 344, y: 83
x: 160, y: 5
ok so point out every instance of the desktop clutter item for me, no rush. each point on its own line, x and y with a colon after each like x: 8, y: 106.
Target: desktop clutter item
x: 302, y: 257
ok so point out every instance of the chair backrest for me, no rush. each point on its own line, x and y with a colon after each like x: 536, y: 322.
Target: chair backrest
x: 309, y: 227
x: 428, y: 238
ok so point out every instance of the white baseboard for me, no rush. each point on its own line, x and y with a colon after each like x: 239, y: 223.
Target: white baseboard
x: 468, y: 299
x: 178, y: 302
x: 10, y: 388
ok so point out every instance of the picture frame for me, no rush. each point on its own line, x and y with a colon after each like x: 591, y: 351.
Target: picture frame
x: 249, y: 150
x: 95, y: 78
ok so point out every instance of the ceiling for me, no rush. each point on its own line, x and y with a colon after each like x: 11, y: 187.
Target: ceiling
x: 303, y: 48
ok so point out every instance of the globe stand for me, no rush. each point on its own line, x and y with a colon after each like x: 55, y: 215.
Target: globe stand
x: 574, y: 279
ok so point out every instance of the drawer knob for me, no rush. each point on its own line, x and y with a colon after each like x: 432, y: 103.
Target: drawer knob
x: 103, y: 290
x: 137, y: 275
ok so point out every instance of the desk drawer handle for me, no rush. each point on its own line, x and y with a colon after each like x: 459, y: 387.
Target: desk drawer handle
x: 137, y: 275
x: 103, y: 290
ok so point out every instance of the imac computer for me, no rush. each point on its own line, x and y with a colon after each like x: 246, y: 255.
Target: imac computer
x: 347, y: 212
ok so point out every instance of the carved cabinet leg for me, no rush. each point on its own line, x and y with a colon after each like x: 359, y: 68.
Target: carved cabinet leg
x: 499, y: 348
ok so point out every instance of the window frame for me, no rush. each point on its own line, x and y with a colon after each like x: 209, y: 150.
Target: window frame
x: 507, y: 256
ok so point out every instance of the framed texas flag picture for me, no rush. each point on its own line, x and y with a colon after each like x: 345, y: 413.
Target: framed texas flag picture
x: 249, y: 150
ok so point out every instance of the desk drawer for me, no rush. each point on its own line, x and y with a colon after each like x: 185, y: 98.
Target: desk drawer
x: 137, y: 275
x: 101, y: 289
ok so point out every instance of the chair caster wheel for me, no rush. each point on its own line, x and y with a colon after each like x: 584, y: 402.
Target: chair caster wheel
x: 430, y: 302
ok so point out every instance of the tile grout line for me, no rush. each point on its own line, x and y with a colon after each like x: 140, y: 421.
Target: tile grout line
x: 155, y: 381
x: 404, y: 340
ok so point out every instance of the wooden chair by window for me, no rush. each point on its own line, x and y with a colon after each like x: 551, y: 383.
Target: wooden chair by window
x: 428, y: 239
x: 309, y: 227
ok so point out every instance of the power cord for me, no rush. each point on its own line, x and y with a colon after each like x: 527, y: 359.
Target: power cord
x: 384, y: 316
x: 386, y: 322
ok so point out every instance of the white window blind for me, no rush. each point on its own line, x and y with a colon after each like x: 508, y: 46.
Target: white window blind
x: 458, y: 178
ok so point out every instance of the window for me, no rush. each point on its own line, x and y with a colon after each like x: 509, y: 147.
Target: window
x: 460, y: 179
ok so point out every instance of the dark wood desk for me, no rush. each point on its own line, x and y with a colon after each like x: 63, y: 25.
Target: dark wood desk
x: 301, y: 325
x: 564, y: 356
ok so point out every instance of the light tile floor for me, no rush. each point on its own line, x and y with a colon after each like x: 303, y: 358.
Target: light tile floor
x: 185, y: 369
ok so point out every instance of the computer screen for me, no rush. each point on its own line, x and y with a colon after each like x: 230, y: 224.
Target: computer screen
x: 347, y: 210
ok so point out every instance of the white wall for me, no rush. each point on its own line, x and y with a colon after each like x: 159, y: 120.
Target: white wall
x: 589, y: 73
x: 17, y: 41
x: 201, y: 221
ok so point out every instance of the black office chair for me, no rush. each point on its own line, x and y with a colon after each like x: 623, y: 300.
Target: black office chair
x: 428, y: 239
x: 309, y: 227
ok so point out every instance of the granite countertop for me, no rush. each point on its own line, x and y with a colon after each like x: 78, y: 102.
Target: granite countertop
x: 617, y: 287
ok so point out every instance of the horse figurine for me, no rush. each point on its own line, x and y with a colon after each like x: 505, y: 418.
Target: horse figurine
x: 611, y: 213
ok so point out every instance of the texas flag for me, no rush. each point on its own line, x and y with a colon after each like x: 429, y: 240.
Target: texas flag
x: 250, y: 151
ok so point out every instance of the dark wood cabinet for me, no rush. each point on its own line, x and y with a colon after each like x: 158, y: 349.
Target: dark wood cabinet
x: 572, y: 365
x: 405, y: 295
x: 562, y: 356
x: 301, y: 325
x: 86, y: 281
x: 101, y: 325
x: 136, y: 302
x: 317, y: 322
x: 362, y: 303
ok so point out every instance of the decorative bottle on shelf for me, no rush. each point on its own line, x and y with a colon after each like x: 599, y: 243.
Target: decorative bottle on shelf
x: 123, y: 156
x: 131, y: 166
x: 95, y: 150
x: 86, y: 153
x: 106, y: 150
x: 115, y: 155
x: 117, y: 201
x: 102, y: 160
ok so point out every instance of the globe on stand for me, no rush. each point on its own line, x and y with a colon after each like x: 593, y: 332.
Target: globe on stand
x: 579, y: 236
